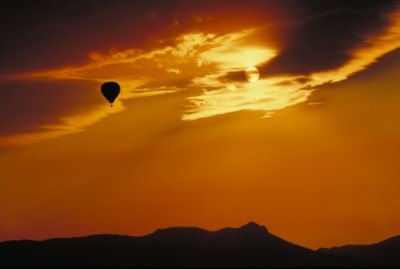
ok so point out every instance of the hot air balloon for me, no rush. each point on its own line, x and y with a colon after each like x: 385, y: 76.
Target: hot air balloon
x: 110, y: 90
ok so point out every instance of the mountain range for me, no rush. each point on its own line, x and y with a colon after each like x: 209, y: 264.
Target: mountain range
x: 248, y: 246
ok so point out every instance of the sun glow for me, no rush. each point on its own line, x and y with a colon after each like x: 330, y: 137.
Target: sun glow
x: 252, y: 74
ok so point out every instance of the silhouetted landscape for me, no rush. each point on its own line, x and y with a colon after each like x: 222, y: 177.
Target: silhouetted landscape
x: 248, y: 246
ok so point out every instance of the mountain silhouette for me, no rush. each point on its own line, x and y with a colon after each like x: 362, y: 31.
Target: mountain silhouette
x: 248, y: 246
x: 385, y: 253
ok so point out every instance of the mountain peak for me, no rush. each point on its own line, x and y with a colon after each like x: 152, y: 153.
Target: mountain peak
x: 254, y: 228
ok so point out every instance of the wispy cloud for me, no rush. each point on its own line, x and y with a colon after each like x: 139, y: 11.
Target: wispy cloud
x: 137, y: 72
x: 222, y: 95
x: 68, y: 125
x: 374, y: 47
x: 263, y: 95
x: 200, y: 63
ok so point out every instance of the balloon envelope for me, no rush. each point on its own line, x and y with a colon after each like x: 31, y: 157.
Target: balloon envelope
x: 110, y: 90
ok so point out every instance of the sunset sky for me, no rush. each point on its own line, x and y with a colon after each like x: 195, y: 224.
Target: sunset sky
x: 311, y: 149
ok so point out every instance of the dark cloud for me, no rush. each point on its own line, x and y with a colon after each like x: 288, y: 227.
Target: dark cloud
x: 387, y: 62
x: 314, y: 35
x: 329, y: 32
x: 321, y: 35
x: 27, y: 105
x: 46, y: 34
x: 318, y: 35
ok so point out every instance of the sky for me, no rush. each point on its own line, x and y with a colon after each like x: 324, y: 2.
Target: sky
x: 310, y: 149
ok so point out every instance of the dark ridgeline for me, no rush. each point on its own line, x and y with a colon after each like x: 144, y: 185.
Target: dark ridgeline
x: 385, y: 253
x: 248, y: 246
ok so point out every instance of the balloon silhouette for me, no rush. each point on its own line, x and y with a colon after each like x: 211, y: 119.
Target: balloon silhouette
x: 110, y: 90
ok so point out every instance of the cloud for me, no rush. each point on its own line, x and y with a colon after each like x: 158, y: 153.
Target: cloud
x: 328, y: 34
x: 58, y: 97
x: 173, y: 70
x: 321, y: 44
x: 38, y: 109
x: 64, y: 33
x: 263, y: 95
x: 221, y: 95
x: 67, y: 125
x: 374, y: 47
x: 293, y: 71
x: 30, y: 103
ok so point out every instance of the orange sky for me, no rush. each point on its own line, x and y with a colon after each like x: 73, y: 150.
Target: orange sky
x: 310, y: 150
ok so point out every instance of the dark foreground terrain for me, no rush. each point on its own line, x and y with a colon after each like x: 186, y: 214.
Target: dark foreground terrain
x: 248, y: 246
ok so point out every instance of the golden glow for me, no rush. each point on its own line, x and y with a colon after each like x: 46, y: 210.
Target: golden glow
x: 321, y: 170
x: 200, y: 57
x: 265, y: 95
x: 206, y: 60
